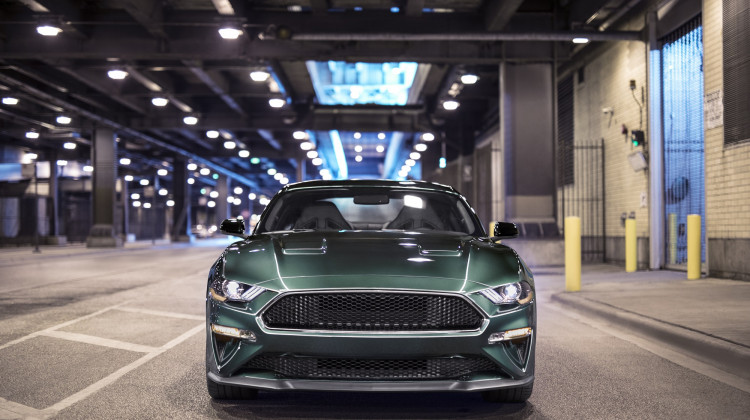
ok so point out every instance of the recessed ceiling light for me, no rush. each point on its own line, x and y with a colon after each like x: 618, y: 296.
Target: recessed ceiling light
x: 229, y: 32
x: 358, y: 158
x: 62, y: 162
x: 191, y: 181
x: 159, y: 101
x: 163, y: 192
x: 212, y: 134
x: 357, y: 135
x: 48, y: 30
x: 63, y: 119
x: 259, y: 75
x: 415, y: 155
x: 117, y: 74
x: 381, y: 136
x: 9, y: 100
x: 271, y: 171
x: 450, y: 105
x: 124, y: 161
x: 170, y: 203
x: 312, y: 154
x: 230, y: 145
x: 420, y: 147
x: 276, y: 102
x: 32, y: 135
x: 69, y: 145
x: 205, y: 171
x: 358, y: 148
x: 284, y: 181
x: 144, y: 182
x: 428, y: 137
x: 162, y: 172
x: 306, y: 145
x: 192, y: 166
x: 469, y: 79
x: 410, y: 162
x: 88, y: 168
x: 238, y: 190
x: 244, y: 153
x: 190, y: 120
x: 580, y: 40
x: 380, y: 148
x: 317, y: 161
x: 299, y: 135
x: 278, y: 175
x: 128, y: 178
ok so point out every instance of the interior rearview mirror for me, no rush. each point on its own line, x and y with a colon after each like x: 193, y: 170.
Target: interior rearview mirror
x: 233, y: 227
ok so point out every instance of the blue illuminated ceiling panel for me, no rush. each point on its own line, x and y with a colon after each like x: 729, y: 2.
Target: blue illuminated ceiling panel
x: 342, y: 83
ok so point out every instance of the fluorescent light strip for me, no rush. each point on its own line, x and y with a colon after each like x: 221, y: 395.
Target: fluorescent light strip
x: 338, y: 151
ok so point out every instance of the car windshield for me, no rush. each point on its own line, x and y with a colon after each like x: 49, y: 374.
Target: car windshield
x: 383, y: 209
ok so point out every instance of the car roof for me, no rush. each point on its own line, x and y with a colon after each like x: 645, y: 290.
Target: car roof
x: 318, y: 183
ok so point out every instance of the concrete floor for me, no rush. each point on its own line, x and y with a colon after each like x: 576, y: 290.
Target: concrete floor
x: 80, y: 338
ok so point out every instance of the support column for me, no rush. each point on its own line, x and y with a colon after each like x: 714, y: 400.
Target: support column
x: 180, y: 230
x: 655, y: 150
x: 54, y: 192
x: 104, y: 160
x: 222, y: 207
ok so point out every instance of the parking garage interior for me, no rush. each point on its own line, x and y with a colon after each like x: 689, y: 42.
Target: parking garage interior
x: 129, y: 130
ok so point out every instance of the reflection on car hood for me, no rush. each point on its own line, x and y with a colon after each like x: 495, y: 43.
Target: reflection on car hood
x: 393, y: 260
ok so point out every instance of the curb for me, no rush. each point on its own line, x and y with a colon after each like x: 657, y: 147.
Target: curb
x: 727, y: 356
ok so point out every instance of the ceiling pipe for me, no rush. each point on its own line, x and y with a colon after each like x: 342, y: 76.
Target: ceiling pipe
x: 478, y: 36
x: 123, y: 129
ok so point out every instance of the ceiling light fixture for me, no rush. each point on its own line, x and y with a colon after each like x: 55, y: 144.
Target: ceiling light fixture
x: 190, y: 120
x: 469, y: 79
x: 259, y: 75
x: 191, y: 181
x: 163, y: 192
x: 415, y: 155
x: 117, y: 74
x: 380, y: 148
x: 238, y: 190
x: 69, y: 145
x: 192, y: 166
x: 580, y: 40
x: 62, y: 162
x: 278, y: 175
x: 88, y: 168
x: 9, y: 100
x: 381, y: 136
x: 276, y: 102
x: 124, y: 161
x: 205, y: 171
x: 170, y: 203
x: 212, y: 134
x: 410, y: 162
x: 251, y: 196
x: 358, y: 158
x: 358, y: 149
x: 420, y: 147
x: 230, y: 32
x: 48, y: 30
x: 63, y: 119
x: 230, y: 145
x: 271, y: 171
x: 306, y: 145
x: 244, y: 153
x: 162, y: 172
x: 317, y: 161
x: 357, y: 135
x: 144, y: 182
x: 32, y: 135
x: 428, y: 137
x: 299, y: 135
x: 159, y: 101
x: 450, y: 105
x: 312, y: 154
x: 128, y: 178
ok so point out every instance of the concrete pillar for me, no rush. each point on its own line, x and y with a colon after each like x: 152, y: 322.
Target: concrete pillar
x: 301, y: 170
x: 180, y: 231
x: 104, y: 160
x: 222, y: 207
x: 527, y: 125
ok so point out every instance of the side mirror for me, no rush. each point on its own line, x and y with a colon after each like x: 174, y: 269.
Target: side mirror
x: 504, y: 230
x: 233, y: 227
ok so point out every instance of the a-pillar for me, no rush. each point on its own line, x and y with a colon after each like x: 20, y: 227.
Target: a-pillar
x: 222, y: 206
x: 104, y: 159
x: 180, y: 230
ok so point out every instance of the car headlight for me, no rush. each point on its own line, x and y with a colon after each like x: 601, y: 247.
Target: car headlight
x: 235, y: 291
x: 508, y: 294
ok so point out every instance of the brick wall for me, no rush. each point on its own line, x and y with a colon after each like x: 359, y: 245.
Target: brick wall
x: 727, y: 169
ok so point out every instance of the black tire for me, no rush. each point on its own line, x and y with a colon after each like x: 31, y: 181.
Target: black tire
x: 229, y: 392
x: 509, y: 395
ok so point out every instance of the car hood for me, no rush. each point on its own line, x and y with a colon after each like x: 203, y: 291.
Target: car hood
x: 380, y: 260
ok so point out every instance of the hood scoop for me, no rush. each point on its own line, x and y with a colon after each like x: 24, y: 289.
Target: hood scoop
x: 304, y: 246
x: 435, y: 250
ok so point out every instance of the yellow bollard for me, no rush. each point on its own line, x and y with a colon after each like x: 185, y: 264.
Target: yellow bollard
x: 693, y: 246
x: 631, y: 246
x: 572, y: 254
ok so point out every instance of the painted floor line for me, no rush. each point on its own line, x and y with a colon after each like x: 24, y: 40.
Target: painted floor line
x: 99, y: 341
x: 660, y: 349
x: 58, y: 326
x: 19, y: 411
x: 162, y: 313
x: 97, y: 386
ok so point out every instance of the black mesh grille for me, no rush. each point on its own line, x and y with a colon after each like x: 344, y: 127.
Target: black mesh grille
x: 372, y: 369
x: 370, y: 311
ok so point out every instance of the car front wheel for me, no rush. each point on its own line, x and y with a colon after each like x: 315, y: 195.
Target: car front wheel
x: 509, y: 395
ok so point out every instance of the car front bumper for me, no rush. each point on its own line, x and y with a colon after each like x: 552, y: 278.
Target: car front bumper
x: 229, y: 367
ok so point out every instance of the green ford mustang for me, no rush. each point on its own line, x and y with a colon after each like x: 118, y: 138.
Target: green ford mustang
x: 370, y: 286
